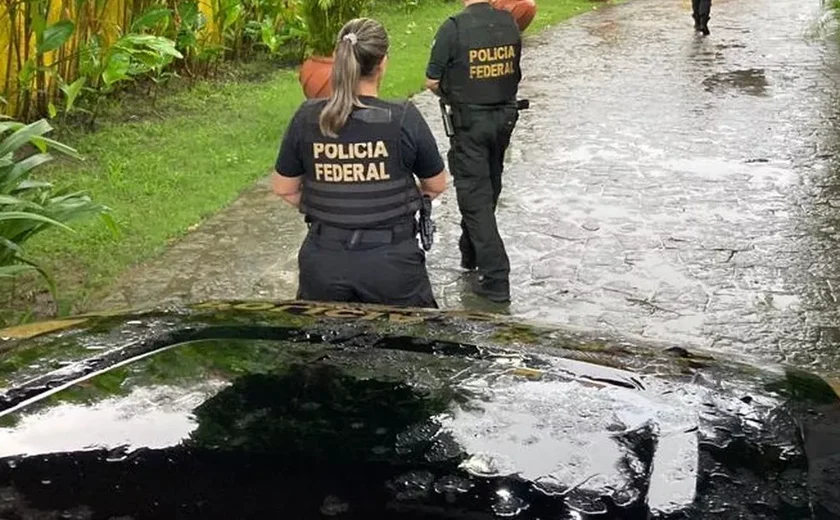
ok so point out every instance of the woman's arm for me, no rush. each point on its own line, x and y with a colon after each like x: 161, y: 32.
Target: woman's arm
x: 288, y: 169
x: 433, y: 186
x: 287, y: 188
x: 427, y: 163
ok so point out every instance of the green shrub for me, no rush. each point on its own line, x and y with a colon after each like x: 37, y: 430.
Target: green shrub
x: 324, y: 18
x: 28, y: 206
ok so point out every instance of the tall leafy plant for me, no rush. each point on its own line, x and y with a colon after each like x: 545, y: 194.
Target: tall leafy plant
x: 280, y: 30
x: 104, y: 67
x: 29, y: 207
x: 66, y: 55
x: 324, y: 18
x: 35, y: 74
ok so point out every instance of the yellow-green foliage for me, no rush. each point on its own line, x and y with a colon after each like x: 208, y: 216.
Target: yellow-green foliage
x: 55, y: 52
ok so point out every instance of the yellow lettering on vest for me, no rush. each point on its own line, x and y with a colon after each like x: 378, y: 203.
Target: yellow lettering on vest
x: 351, y: 172
x: 347, y: 151
x: 381, y: 150
x: 376, y: 172
x: 333, y: 167
x: 360, y: 150
x: 495, y: 70
x: 331, y: 150
x: 506, y: 52
x: 488, y: 54
x: 358, y: 172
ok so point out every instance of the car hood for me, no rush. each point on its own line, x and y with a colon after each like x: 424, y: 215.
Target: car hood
x: 306, y: 410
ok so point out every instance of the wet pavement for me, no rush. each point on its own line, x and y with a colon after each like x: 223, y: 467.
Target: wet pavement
x: 663, y: 185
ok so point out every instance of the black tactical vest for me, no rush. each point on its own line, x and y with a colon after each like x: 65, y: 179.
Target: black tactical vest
x: 486, y: 68
x: 357, y: 180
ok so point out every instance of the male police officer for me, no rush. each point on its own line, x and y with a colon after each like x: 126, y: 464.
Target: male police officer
x: 474, y: 67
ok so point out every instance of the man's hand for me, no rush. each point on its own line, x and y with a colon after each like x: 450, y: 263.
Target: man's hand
x: 433, y: 85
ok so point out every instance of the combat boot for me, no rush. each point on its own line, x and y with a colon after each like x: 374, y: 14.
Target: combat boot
x: 497, y: 291
x: 704, y: 25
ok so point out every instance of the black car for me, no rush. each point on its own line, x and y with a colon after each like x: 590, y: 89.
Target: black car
x: 299, y: 410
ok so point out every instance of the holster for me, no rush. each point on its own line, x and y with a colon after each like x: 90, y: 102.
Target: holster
x: 427, y: 225
x: 446, y: 115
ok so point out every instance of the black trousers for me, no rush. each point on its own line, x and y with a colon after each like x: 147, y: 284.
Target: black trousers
x: 701, y: 9
x: 476, y: 161
x: 372, y: 269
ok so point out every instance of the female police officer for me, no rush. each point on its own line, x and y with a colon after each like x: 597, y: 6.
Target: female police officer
x: 349, y: 163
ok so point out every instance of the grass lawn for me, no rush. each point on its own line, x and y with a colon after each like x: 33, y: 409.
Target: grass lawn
x: 164, y: 174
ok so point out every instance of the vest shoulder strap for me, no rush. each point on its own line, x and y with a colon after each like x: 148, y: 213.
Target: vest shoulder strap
x: 454, y: 19
x: 311, y: 109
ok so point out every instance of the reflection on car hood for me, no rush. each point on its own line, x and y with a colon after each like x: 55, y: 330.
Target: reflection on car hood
x: 297, y: 410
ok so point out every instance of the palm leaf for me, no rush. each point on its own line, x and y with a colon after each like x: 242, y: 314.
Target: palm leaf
x: 24, y: 135
x: 20, y: 169
x: 22, y: 215
x: 45, y: 142
x: 28, y: 266
x: 15, y: 270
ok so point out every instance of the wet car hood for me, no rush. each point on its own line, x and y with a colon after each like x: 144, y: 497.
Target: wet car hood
x: 302, y: 410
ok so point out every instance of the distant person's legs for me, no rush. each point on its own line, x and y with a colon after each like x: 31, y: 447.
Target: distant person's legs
x: 701, y: 10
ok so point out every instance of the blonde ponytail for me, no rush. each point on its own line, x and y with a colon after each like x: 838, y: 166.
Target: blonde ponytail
x: 361, y: 45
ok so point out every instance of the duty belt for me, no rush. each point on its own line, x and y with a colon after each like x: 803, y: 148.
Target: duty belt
x: 364, y: 236
x: 520, y: 104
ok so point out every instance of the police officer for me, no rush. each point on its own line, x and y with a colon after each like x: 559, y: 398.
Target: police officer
x: 349, y: 164
x: 474, y: 67
x: 700, y: 11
